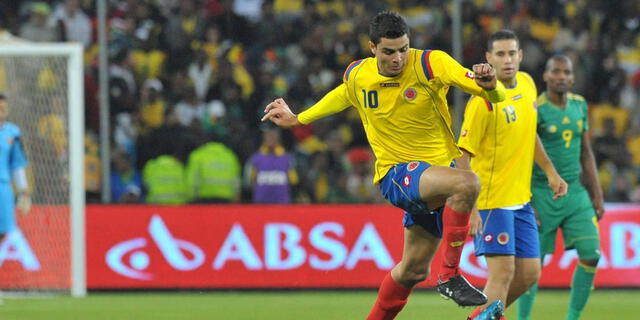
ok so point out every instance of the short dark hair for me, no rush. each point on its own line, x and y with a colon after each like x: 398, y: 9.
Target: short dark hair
x: 557, y: 57
x: 387, y: 24
x: 502, y: 35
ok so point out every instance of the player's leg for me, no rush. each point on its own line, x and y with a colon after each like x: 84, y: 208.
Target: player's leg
x: 580, y: 231
x: 457, y: 191
x: 422, y: 190
x: 496, y: 241
x: 543, y: 204
x: 526, y: 275
x: 7, y: 214
x: 419, y: 248
x: 527, y: 262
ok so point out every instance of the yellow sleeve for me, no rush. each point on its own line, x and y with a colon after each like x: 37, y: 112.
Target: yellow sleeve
x: 452, y: 73
x: 474, y: 124
x: 333, y: 102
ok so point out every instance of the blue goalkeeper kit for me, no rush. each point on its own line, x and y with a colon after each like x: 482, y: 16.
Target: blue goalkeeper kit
x: 12, y: 157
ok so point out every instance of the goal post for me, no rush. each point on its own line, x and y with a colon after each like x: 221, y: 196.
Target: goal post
x: 44, y: 85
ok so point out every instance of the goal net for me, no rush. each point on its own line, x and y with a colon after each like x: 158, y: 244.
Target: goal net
x: 43, y: 84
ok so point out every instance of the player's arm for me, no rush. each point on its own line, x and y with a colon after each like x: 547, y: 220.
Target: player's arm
x: 556, y: 183
x: 481, y: 82
x: 590, y: 175
x: 333, y: 102
x: 18, y: 163
x: 23, y: 195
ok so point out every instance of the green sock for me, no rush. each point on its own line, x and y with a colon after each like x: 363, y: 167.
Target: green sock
x: 525, y: 303
x: 580, y: 290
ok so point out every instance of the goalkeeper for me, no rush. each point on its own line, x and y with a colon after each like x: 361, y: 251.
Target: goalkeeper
x: 12, y: 164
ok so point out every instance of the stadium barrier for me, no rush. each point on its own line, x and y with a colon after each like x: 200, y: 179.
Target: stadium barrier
x: 245, y: 246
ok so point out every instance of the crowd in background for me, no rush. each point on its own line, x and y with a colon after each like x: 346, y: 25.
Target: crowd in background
x: 188, y: 81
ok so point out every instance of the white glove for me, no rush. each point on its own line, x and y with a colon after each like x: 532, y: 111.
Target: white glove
x: 24, y: 203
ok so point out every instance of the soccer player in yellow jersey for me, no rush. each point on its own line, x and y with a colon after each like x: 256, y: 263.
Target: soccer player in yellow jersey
x: 400, y: 94
x: 499, y: 144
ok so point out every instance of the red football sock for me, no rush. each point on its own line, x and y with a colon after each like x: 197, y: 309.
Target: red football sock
x: 392, y: 297
x: 455, y: 227
x: 503, y: 318
x: 475, y: 313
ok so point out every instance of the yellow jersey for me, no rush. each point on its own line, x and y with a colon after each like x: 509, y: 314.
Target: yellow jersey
x: 405, y: 117
x: 501, y: 138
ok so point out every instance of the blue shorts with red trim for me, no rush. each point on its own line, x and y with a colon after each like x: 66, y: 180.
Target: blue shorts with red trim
x: 401, y: 187
x: 508, y: 232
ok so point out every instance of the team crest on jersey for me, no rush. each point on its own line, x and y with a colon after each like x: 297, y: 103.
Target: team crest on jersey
x: 503, y: 238
x: 488, y: 238
x: 470, y: 75
x: 406, y: 181
x: 553, y: 129
x: 412, y: 165
x: 410, y: 94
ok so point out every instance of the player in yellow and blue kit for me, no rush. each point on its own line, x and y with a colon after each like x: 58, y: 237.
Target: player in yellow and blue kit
x: 563, y: 128
x: 12, y: 165
x: 499, y: 143
x: 400, y: 95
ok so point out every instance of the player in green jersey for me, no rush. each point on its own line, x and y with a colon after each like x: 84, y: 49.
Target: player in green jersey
x: 564, y: 131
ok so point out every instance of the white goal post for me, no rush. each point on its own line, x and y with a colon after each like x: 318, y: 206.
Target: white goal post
x: 25, y: 92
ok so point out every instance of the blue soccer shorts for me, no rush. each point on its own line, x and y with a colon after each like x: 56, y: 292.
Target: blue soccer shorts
x: 401, y: 187
x: 508, y: 232
x: 7, y: 215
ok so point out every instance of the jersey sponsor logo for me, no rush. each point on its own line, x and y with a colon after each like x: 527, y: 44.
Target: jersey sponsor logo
x: 413, y: 165
x: 516, y: 97
x: 410, y: 94
x: 470, y: 75
x: 488, y: 238
x: 390, y: 84
x: 553, y: 129
x: 407, y: 180
x: 271, y: 178
x: 503, y: 238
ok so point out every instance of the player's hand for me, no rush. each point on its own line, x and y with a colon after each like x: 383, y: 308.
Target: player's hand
x: 485, y: 76
x: 24, y: 203
x: 475, y: 222
x: 598, y: 206
x: 279, y: 113
x: 558, y: 186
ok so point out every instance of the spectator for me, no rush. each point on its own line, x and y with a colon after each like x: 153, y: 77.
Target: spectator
x: 126, y: 181
x: 38, y: 28
x: 164, y: 178
x: 270, y: 170
x: 153, y: 105
x: 213, y: 174
x: 77, y: 26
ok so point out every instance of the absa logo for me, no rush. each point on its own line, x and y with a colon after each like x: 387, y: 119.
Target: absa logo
x: 170, y: 247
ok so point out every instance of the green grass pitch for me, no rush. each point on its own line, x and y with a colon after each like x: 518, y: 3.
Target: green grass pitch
x: 284, y: 305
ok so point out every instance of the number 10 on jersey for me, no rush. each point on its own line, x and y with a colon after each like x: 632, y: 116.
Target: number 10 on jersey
x: 369, y: 99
